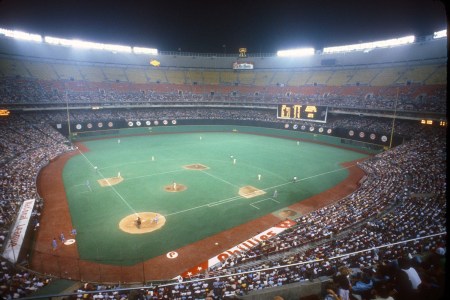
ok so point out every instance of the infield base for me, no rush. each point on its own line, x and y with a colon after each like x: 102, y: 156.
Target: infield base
x: 177, y: 188
x: 249, y: 191
x: 148, y: 223
x: 198, y: 167
x: 109, y: 181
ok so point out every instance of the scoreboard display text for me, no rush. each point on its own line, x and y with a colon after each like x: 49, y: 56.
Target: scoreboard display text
x: 301, y: 112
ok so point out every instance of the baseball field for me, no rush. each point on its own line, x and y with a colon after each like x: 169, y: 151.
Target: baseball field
x: 185, y: 188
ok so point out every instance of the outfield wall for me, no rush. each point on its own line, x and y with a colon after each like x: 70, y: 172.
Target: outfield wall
x: 330, y: 138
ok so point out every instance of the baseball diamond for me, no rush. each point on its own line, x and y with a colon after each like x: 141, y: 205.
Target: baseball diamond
x: 224, y: 203
x: 149, y: 173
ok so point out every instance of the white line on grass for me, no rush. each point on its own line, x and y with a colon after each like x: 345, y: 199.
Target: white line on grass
x: 115, y: 191
x: 216, y: 203
x: 220, y: 179
x: 261, y: 201
x: 231, y: 199
x: 206, y: 205
x: 251, y: 204
x: 223, y: 201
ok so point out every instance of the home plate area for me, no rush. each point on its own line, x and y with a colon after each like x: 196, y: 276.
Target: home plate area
x: 69, y: 242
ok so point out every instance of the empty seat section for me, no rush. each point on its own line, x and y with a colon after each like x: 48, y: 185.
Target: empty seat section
x: 246, y: 77
x: 417, y: 74
x: 299, y: 78
x: 40, y: 70
x: 67, y: 72
x: 363, y: 76
x: 175, y: 77
x: 281, y: 77
x: 156, y: 75
x: 228, y: 77
x: 319, y: 77
x: 387, y: 76
x: 263, y: 78
x: 136, y: 75
x: 211, y: 77
x: 439, y: 76
x: 90, y: 73
x: 194, y: 77
x: 115, y: 74
x: 13, y: 68
x: 339, y: 78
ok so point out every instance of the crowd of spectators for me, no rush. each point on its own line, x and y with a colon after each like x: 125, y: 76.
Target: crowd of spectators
x: 408, y: 181
x: 25, y: 91
x: 16, y: 283
x: 398, y: 214
x: 399, y: 210
x: 369, y: 124
x: 25, y: 148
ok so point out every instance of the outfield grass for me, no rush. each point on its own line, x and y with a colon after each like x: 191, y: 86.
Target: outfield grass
x: 211, y: 202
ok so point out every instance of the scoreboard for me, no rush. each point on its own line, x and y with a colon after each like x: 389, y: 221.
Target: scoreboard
x: 302, y: 112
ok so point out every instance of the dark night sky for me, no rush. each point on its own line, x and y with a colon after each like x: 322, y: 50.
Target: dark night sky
x: 206, y: 26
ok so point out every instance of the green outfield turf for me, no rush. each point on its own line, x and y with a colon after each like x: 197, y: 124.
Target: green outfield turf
x: 211, y: 202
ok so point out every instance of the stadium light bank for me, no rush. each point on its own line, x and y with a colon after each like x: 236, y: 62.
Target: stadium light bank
x: 440, y: 34
x: 75, y: 43
x: 366, y: 47
x: 99, y: 46
x: 300, y: 52
x: 20, y: 35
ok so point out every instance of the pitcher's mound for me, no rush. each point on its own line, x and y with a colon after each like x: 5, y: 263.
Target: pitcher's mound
x: 249, y: 191
x: 178, y: 188
x: 109, y: 181
x: 196, y: 167
x: 150, y: 221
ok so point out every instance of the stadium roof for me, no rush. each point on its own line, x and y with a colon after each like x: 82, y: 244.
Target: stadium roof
x: 225, y: 26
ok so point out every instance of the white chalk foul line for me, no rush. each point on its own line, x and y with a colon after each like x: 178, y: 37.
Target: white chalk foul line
x: 218, y: 178
x: 262, y: 200
x: 227, y: 200
x: 115, y: 191
x: 219, y: 202
x: 223, y: 201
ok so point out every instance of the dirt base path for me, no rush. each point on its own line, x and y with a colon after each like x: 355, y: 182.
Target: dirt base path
x: 66, y: 263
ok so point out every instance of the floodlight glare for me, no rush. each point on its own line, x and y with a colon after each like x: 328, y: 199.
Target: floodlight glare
x: 371, y: 45
x: 140, y: 50
x: 440, y: 34
x: 75, y: 43
x: 58, y: 41
x: 117, y: 48
x: 296, y: 52
x: 87, y: 45
x: 20, y: 35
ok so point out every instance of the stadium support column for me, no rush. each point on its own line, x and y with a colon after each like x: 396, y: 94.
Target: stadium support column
x: 393, y: 119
